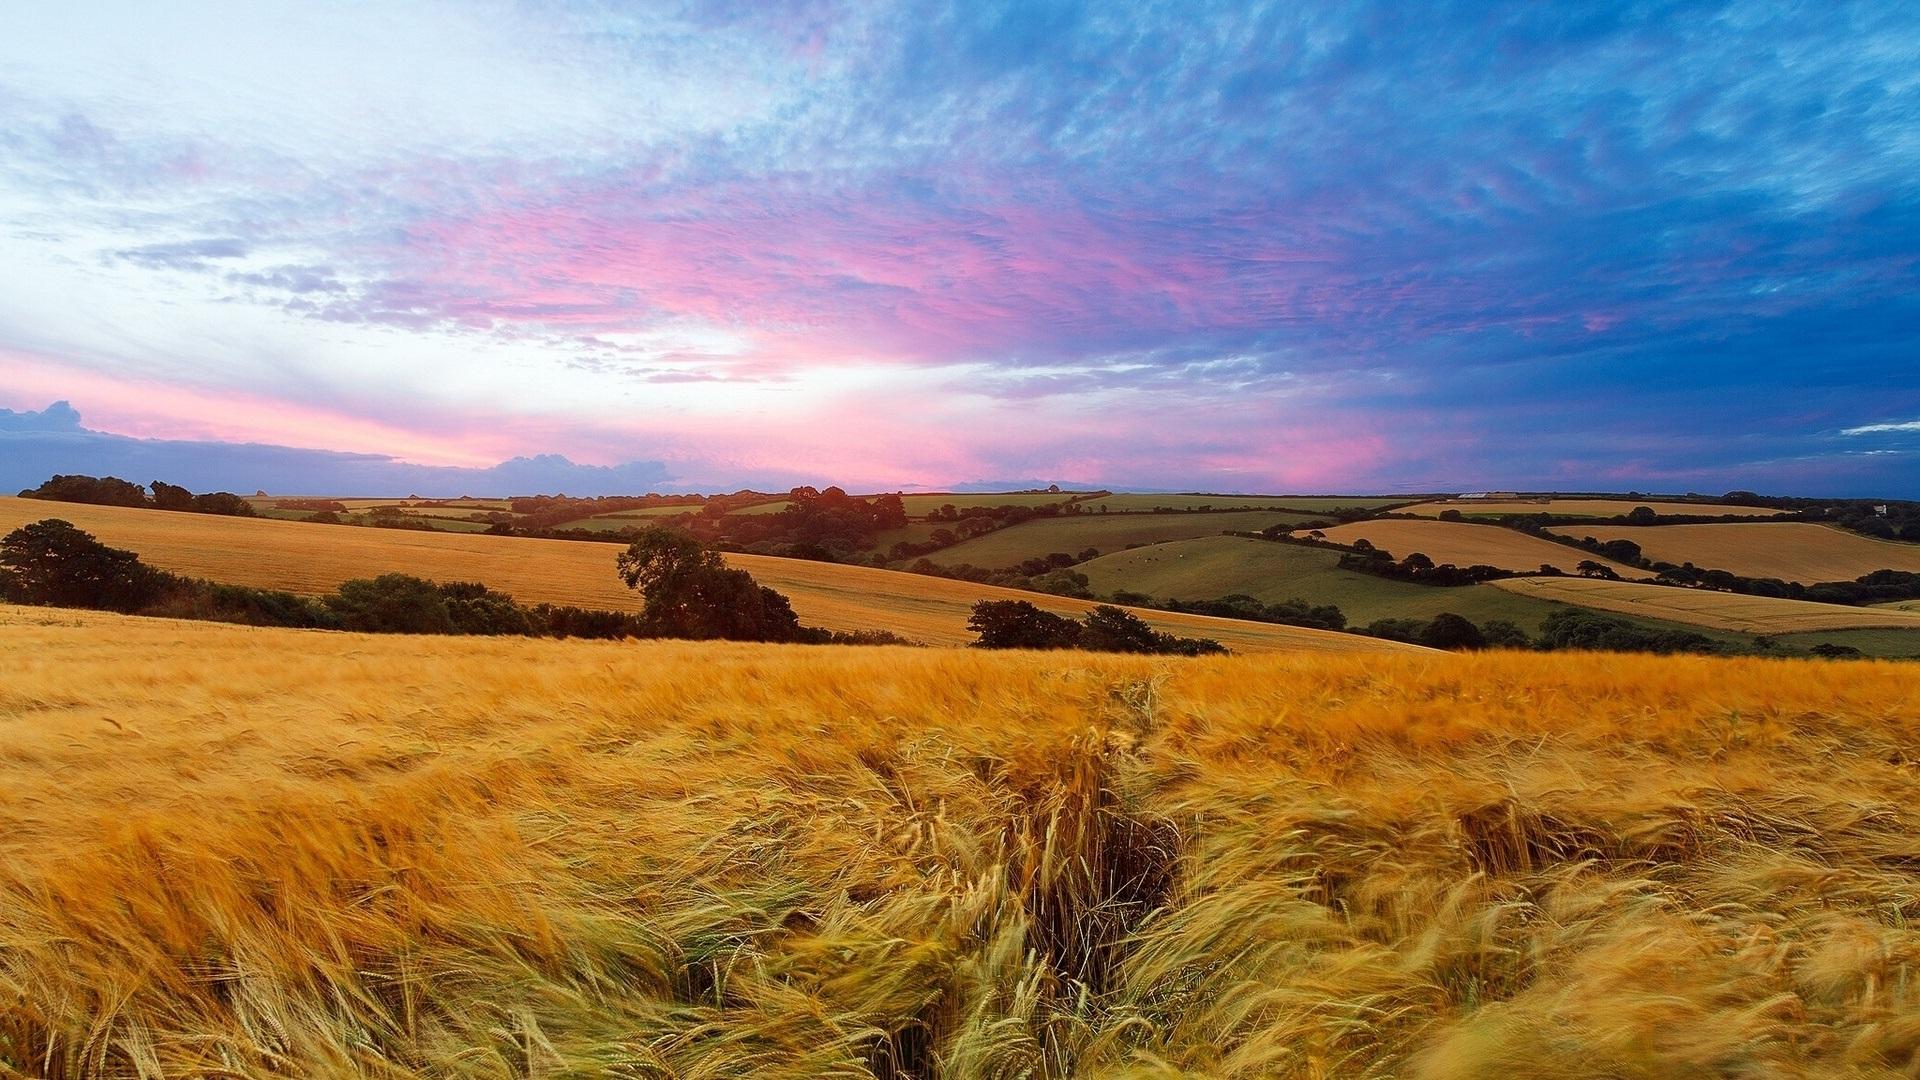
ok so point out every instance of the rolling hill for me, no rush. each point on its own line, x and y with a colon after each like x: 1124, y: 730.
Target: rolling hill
x: 1800, y: 551
x: 1468, y: 545
x: 1075, y: 533
x: 314, y: 559
x: 1207, y: 568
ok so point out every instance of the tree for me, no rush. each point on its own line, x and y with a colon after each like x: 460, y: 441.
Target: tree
x: 52, y: 562
x: 102, y: 491
x: 391, y: 604
x: 1017, y: 624
x: 659, y: 557
x: 472, y: 608
x: 1589, y: 568
x: 1501, y: 634
x: 690, y: 593
x: 1111, y: 629
x: 1407, y: 630
x: 1417, y: 561
x: 170, y: 496
x: 1642, y: 515
x: 1449, y: 631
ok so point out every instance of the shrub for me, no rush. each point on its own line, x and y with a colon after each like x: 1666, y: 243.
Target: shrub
x: 52, y: 562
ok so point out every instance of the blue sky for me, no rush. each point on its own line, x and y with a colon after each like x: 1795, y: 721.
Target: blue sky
x: 1204, y: 246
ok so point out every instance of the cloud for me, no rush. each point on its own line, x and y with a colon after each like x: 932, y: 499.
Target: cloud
x: 1341, y: 245
x: 1872, y: 429
x: 184, y: 254
x: 59, y: 416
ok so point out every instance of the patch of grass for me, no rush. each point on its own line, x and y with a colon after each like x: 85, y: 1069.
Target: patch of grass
x: 922, y: 505
x: 1883, y: 641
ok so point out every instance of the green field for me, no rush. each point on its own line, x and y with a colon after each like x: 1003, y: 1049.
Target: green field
x: 922, y: 505
x: 1074, y: 533
x: 1132, y: 503
x: 1884, y: 642
x: 1217, y: 566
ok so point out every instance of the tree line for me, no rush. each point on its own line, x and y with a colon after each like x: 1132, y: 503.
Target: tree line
x: 688, y: 593
x: 113, y: 491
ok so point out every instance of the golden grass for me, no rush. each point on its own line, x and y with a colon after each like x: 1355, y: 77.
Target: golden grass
x: 1600, y: 508
x: 315, y: 559
x: 233, y: 852
x: 1703, y: 607
x: 1467, y: 545
x: 1789, y: 550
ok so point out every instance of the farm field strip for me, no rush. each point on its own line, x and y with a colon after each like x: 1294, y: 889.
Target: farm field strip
x: 1704, y: 607
x: 314, y: 559
x: 1599, y: 508
x: 1074, y: 533
x: 1467, y: 545
x: 1802, y: 551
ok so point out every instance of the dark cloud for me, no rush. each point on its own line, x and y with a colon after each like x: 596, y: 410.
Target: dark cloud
x: 34, y: 446
x: 57, y: 417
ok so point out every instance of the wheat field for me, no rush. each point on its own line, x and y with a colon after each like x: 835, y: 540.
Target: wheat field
x: 314, y: 559
x: 263, y: 853
x: 1705, y: 607
x: 1467, y: 545
x: 1800, y: 551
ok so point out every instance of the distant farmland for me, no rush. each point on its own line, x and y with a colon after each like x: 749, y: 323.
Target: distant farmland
x: 1599, y: 508
x: 1075, y: 533
x: 1789, y: 550
x: 314, y: 559
x: 1137, y: 503
x: 1211, y: 567
x: 1704, y: 607
x: 1468, y: 545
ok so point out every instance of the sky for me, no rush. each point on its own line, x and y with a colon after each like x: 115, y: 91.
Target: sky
x: 1297, y: 247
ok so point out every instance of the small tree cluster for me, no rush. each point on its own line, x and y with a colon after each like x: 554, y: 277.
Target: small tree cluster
x: 113, y: 491
x: 1017, y: 624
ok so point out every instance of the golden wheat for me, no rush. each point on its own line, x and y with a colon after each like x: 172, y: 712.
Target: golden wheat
x: 1705, y: 607
x: 314, y: 559
x: 1789, y: 550
x: 240, y: 852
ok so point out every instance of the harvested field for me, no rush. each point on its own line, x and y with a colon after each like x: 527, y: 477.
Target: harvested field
x: 1702, y: 607
x: 1800, y: 551
x: 1467, y: 545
